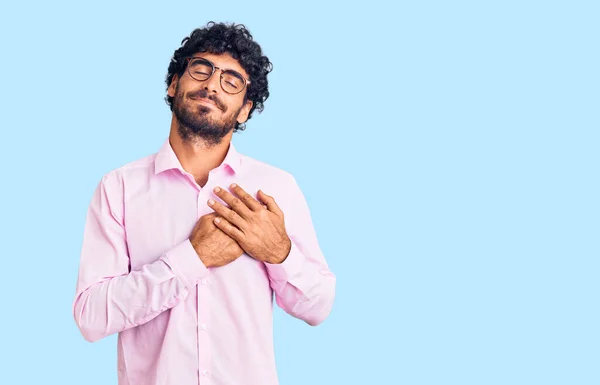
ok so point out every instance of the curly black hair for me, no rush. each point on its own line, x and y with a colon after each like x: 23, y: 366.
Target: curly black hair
x: 235, y: 40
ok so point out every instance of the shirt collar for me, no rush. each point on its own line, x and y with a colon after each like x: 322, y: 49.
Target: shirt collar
x: 167, y: 160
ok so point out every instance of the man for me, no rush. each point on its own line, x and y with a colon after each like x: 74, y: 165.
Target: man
x: 184, y: 249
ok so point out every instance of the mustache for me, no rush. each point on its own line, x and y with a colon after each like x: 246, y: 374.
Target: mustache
x: 203, y: 94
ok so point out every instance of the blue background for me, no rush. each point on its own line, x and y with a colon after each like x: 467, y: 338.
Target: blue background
x: 448, y: 152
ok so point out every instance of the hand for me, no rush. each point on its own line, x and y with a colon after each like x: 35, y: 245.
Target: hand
x: 258, y: 229
x: 213, y: 246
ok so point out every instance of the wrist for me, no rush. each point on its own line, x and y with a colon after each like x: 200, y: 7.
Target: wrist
x: 206, y: 261
x: 284, y: 254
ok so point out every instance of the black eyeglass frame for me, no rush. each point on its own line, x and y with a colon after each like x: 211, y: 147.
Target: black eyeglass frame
x: 214, y: 68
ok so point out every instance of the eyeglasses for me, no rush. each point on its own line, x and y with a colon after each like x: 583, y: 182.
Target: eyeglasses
x: 201, y: 69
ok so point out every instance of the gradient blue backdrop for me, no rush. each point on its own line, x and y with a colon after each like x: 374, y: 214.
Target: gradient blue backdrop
x: 448, y: 152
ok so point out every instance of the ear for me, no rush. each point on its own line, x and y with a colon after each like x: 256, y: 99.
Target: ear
x: 243, y: 116
x: 173, y: 86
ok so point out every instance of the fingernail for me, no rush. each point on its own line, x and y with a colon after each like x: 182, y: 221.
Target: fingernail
x: 211, y: 202
x: 233, y: 185
x: 217, y: 220
x: 217, y: 189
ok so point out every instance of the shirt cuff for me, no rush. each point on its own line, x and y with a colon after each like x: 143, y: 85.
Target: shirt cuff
x: 186, y: 264
x: 291, y: 266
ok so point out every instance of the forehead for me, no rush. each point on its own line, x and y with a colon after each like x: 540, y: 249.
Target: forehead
x: 224, y: 61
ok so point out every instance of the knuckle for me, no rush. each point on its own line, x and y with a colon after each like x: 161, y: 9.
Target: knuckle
x: 235, y: 202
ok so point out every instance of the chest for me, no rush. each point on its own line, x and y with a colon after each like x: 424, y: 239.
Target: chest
x: 163, y: 216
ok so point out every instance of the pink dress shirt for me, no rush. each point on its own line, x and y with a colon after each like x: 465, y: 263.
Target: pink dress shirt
x: 181, y: 323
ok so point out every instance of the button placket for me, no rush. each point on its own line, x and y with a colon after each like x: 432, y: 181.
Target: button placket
x: 203, y: 288
x: 204, y: 353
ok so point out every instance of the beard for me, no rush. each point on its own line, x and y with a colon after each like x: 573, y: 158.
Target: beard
x: 195, y: 122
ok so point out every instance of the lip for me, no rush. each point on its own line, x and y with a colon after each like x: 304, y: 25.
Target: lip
x: 208, y: 102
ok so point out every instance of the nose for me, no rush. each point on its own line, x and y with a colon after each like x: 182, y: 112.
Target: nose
x: 213, y: 83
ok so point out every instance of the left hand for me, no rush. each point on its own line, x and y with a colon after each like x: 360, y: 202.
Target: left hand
x: 258, y: 229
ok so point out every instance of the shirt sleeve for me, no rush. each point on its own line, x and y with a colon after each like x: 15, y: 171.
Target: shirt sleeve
x: 303, y: 284
x: 109, y: 297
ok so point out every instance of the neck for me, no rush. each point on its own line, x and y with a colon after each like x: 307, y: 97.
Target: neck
x: 197, y: 156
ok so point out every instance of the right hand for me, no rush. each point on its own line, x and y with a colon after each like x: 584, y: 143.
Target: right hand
x: 213, y: 246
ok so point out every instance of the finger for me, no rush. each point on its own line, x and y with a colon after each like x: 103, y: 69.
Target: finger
x: 229, y: 229
x: 248, y: 199
x: 205, y: 218
x: 225, y: 212
x: 234, y: 202
x: 270, y: 202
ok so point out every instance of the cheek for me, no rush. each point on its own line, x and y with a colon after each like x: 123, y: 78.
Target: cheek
x: 185, y: 86
x: 179, y: 91
x: 231, y: 105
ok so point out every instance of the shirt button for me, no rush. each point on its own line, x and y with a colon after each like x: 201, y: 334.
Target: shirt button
x: 203, y: 326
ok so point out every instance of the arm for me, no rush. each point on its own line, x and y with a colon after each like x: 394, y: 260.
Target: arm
x: 109, y: 297
x: 303, y: 284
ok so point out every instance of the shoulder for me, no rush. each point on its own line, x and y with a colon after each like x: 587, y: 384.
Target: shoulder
x: 274, y: 181
x: 136, y: 170
x: 267, y: 172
